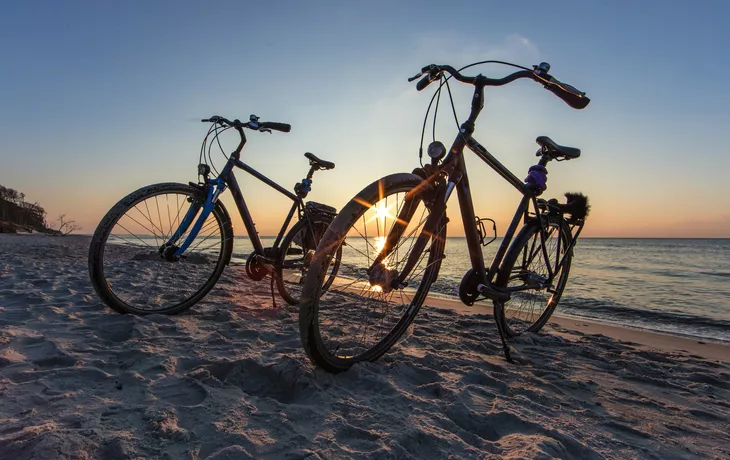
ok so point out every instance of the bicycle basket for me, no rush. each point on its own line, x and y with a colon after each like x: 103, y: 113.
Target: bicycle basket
x: 321, y: 212
x: 321, y: 216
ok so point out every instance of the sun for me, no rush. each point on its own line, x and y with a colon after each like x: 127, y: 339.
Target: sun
x: 381, y: 211
x: 375, y: 288
x: 379, y: 243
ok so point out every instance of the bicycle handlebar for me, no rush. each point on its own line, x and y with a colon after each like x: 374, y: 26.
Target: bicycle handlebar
x: 283, y: 127
x: 253, y: 124
x: 569, y: 94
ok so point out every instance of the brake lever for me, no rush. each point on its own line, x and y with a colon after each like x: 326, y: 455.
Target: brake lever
x: 568, y: 88
x: 428, y: 68
x: 415, y: 76
x: 265, y: 130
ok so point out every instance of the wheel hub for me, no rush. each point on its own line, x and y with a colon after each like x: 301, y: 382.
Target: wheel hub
x: 383, y: 277
x: 168, y: 252
x: 535, y: 281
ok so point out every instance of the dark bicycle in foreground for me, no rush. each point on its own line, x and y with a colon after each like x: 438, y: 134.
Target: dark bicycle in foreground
x: 162, y: 248
x: 390, y: 242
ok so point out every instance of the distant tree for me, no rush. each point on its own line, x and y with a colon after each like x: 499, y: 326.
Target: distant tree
x: 35, y: 213
x: 66, y: 226
x: 15, y: 210
x: 9, y: 194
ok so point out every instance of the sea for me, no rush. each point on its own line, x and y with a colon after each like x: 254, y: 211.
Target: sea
x: 672, y: 286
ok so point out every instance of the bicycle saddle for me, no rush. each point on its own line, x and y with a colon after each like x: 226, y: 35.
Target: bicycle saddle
x: 568, y: 152
x: 322, y: 164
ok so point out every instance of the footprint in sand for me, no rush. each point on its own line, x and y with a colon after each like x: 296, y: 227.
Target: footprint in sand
x: 179, y: 391
x: 43, y: 353
x: 114, y: 330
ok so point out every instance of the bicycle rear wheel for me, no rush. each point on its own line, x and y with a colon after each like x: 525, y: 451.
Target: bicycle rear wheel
x: 360, y: 318
x: 296, y: 253
x: 524, y: 271
x: 126, y: 264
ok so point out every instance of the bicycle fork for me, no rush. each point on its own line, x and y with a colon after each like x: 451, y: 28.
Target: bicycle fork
x: 169, y: 250
x: 379, y: 274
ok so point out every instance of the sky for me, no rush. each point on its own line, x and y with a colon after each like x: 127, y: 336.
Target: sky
x: 100, y: 98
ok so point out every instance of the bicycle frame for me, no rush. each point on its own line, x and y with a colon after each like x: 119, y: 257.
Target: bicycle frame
x: 214, y: 188
x: 454, y: 167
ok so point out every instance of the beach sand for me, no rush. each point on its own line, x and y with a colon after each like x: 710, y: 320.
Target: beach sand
x: 229, y: 380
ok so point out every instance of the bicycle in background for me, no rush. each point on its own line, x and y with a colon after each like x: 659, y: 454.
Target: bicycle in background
x: 162, y: 248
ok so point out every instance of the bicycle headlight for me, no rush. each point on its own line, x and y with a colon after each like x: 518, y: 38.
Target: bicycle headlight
x: 436, y: 150
x: 203, y: 169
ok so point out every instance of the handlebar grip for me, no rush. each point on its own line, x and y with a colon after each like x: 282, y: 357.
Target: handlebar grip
x: 569, y: 95
x: 423, y: 82
x: 214, y: 119
x: 283, y: 127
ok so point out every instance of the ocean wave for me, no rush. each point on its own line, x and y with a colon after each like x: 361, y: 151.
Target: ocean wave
x: 720, y: 274
x: 667, y: 321
x: 670, y: 272
x: 606, y: 310
x: 617, y: 311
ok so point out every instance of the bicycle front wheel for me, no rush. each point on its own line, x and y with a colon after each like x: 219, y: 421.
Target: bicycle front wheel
x: 535, y: 289
x: 360, y: 319
x: 126, y: 262
x: 296, y: 253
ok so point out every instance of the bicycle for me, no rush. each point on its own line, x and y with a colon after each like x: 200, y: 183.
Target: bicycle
x: 389, y: 273
x: 162, y: 248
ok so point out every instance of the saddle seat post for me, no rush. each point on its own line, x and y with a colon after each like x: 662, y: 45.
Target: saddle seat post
x: 303, y: 188
x: 312, y: 170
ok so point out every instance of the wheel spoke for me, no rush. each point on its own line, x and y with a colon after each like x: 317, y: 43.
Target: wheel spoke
x: 358, y: 318
x: 537, y: 288
x: 137, y: 277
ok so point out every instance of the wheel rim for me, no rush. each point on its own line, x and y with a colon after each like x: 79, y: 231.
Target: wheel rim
x: 135, y: 271
x: 356, y: 319
x: 524, y: 311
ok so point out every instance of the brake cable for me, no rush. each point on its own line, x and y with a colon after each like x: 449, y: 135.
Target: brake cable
x: 437, y: 95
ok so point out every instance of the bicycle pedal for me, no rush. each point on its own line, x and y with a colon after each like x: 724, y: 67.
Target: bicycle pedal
x: 493, y: 294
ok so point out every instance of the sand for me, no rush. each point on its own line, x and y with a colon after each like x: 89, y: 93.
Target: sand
x: 229, y: 380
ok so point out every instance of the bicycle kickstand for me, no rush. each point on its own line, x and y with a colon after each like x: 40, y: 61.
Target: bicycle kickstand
x: 273, y: 280
x: 505, y: 347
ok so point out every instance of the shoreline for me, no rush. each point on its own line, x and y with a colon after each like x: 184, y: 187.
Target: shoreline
x: 705, y: 348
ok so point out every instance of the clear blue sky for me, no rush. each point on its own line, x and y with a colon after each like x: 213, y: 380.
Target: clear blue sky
x: 100, y: 98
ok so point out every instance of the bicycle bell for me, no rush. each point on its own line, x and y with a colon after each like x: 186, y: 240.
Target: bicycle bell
x: 542, y: 69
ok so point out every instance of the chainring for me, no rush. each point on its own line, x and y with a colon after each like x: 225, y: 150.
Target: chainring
x: 255, y: 269
x: 469, y: 287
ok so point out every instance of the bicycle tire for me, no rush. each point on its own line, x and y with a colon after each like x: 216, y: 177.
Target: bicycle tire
x: 118, y: 261
x: 315, y: 308
x: 290, y: 273
x: 517, y: 266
